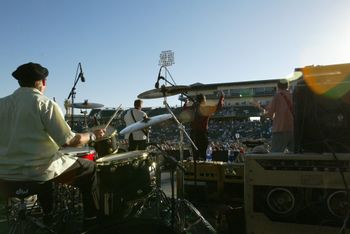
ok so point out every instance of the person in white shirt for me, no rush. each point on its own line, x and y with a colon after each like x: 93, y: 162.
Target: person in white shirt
x: 33, y: 129
x: 137, y: 139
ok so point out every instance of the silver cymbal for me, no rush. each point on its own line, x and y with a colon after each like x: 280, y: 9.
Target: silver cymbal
x: 86, y: 105
x: 163, y: 92
x: 145, y: 123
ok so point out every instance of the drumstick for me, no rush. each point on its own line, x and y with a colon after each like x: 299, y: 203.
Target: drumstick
x: 112, y: 117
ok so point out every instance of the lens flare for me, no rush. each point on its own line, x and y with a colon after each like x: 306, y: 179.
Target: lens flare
x: 331, y: 81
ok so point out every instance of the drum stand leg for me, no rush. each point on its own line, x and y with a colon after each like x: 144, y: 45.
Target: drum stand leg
x: 162, y: 202
x: 157, y: 197
x: 161, y: 197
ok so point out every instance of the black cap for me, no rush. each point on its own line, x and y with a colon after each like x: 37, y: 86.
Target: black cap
x: 30, y: 71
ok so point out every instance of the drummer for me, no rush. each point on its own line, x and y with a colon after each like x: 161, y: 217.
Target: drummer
x: 137, y: 139
x: 33, y: 129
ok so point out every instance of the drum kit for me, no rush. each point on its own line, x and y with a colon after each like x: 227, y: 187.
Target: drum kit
x: 127, y: 188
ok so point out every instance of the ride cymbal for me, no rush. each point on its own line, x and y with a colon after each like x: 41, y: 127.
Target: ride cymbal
x: 163, y: 92
x: 86, y: 105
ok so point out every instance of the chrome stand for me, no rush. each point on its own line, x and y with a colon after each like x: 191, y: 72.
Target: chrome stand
x: 181, y: 149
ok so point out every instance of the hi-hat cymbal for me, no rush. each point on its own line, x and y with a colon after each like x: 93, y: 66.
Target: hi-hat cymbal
x: 86, y: 105
x: 163, y: 92
x: 145, y: 123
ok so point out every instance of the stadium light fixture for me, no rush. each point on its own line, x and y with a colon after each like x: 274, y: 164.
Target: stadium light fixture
x: 166, y: 58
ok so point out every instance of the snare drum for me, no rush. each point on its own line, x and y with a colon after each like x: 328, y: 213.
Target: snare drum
x: 122, y: 178
x: 108, y: 144
x: 86, y: 152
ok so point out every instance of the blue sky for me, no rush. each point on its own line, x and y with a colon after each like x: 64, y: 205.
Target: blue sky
x: 118, y: 43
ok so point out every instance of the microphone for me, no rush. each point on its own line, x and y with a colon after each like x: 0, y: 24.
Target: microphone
x: 81, y: 74
x: 156, y: 85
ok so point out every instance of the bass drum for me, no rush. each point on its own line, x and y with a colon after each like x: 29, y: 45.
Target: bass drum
x: 137, y: 226
x: 122, y: 178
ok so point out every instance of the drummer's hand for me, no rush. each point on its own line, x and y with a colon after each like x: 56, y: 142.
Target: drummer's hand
x: 99, y: 133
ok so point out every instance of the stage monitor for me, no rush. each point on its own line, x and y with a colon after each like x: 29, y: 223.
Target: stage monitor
x: 296, y: 193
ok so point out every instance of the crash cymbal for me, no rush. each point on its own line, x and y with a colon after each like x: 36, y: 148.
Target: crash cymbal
x: 163, y: 92
x: 145, y: 123
x: 86, y: 105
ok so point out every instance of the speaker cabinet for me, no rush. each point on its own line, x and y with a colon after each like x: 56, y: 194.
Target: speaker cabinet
x: 296, y: 193
x: 212, y: 182
x: 322, y: 109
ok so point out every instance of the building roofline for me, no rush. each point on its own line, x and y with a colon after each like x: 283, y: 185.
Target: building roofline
x: 200, y: 86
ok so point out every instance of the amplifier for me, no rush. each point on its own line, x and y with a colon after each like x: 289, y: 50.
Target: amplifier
x: 296, y: 193
x: 233, y: 183
x: 215, y: 181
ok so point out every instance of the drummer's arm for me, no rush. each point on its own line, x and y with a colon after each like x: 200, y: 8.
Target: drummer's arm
x: 78, y: 139
x: 85, y: 138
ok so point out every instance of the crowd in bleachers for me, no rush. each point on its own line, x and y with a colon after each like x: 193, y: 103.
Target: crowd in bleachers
x: 228, y: 125
x: 238, y: 111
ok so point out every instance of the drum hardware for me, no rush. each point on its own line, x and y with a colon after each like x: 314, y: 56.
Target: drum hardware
x: 178, y: 214
x: 165, y: 91
x: 181, y: 143
x: 157, y: 205
x: 85, y: 128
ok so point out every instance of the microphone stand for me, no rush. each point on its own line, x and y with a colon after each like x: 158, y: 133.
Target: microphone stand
x: 181, y: 132
x: 172, y: 84
x: 72, y: 95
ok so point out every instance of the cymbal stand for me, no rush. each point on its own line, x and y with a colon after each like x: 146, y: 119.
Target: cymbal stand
x: 86, y: 127
x: 160, y: 195
x: 182, y: 131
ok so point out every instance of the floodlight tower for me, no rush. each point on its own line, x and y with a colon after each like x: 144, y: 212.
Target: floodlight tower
x: 166, y: 58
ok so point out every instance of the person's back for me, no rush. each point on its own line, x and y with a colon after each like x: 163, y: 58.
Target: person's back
x: 26, y: 145
x: 137, y: 139
x: 33, y: 129
x: 282, y: 113
x: 280, y: 110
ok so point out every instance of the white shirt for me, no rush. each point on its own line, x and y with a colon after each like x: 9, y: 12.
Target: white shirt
x: 139, y: 115
x: 32, y: 128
